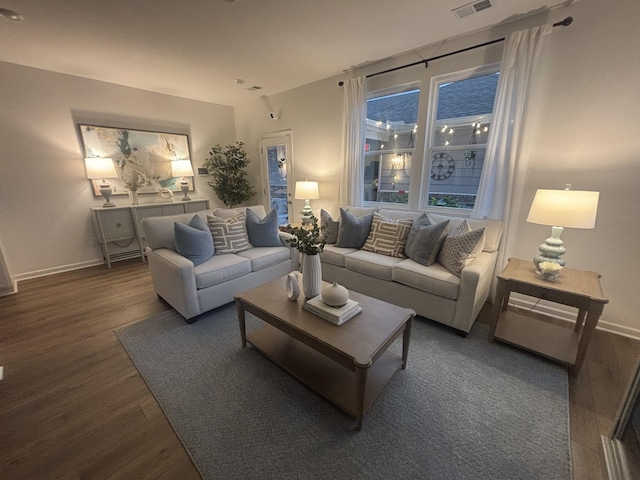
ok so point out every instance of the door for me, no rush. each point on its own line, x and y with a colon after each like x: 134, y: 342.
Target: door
x: 277, y: 174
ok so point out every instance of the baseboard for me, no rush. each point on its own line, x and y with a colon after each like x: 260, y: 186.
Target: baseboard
x: 9, y: 290
x: 54, y: 270
x: 568, y: 314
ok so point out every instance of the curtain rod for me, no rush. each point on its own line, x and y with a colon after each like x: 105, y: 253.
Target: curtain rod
x: 563, y: 23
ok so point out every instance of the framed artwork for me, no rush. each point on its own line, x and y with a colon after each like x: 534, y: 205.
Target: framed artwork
x: 142, y: 158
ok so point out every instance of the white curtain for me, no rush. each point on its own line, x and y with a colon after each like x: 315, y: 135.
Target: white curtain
x: 354, y: 120
x: 505, y: 159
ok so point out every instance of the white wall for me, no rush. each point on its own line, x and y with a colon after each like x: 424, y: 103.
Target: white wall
x: 580, y: 132
x: 313, y: 113
x: 44, y: 194
x: 586, y: 115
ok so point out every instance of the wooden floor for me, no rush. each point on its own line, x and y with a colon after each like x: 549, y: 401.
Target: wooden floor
x: 72, y: 405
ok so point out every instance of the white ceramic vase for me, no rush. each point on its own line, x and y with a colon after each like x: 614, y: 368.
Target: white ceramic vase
x: 311, y: 275
x: 335, y: 295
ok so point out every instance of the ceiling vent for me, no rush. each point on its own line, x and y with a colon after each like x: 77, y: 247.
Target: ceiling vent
x: 471, y: 8
x: 254, y: 88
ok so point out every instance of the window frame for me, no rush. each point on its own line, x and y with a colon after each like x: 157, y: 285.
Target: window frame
x: 430, y: 133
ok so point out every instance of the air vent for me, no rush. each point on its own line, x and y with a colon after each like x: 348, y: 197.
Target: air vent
x: 471, y: 8
x: 254, y: 88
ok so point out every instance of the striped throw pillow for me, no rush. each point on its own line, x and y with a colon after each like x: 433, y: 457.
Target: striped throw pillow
x: 387, y: 236
x: 229, y: 234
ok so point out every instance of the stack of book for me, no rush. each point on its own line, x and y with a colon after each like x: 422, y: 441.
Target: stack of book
x: 335, y: 315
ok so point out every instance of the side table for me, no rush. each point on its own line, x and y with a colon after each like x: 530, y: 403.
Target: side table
x: 575, y: 288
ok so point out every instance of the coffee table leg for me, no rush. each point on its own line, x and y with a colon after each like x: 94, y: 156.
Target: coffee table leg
x: 241, y: 321
x: 406, y: 338
x: 361, y: 388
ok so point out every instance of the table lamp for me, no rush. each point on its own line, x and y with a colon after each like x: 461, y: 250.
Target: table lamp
x: 182, y: 168
x: 102, y: 168
x: 307, y: 191
x: 561, y: 209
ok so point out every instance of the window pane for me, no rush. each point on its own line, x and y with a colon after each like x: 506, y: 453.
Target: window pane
x: 390, y: 140
x: 462, y: 125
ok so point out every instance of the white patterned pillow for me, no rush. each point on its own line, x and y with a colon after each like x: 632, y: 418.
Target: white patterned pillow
x: 460, y: 247
x: 387, y: 237
x: 331, y: 227
x: 229, y: 234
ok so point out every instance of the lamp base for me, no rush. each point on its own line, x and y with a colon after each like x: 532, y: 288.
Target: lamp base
x: 184, y: 186
x: 551, y: 250
x: 105, y: 191
x: 307, y: 213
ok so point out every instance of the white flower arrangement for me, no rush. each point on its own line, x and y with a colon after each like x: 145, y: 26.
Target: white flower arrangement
x: 549, y: 267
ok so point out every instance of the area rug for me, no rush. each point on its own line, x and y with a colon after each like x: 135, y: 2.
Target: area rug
x: 463, y: 408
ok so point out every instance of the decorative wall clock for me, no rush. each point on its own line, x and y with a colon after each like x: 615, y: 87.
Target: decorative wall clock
x: 442, y: 166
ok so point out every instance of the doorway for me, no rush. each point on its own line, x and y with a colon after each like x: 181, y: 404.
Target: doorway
x: 277, y: 173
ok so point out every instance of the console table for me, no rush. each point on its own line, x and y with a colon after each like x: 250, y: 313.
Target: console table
x: 575, y: 288
x: 114, y: 224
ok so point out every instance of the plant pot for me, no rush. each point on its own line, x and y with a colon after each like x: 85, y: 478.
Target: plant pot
x: 311, y: 275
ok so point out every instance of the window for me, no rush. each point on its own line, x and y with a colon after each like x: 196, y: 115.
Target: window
x: 460, y: 118
x: 390, y: 142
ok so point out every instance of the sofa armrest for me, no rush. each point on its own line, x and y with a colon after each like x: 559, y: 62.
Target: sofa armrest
x: 174, y: 280
x: 475, y: 285
x: 293, y: 253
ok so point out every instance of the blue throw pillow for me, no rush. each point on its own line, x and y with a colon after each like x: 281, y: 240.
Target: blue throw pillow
x: 263, y: 233
x: 194, y: 241
x: 353, y: 231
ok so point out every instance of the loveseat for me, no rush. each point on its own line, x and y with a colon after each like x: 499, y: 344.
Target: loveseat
x: 211, y: 279
x: 433, y: 291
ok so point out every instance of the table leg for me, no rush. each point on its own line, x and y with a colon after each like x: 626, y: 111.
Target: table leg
x: 580, y: 321
x: 406, y: 337
x: 593, y: 314
x: 502, y: 300
x: 361, y: 388
x: 241, y: 321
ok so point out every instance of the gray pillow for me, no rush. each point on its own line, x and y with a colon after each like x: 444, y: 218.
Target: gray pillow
x: 353, y: 230
x: 460, y: 247
x: 194, y: 240
x: 263, y: 233
x: 424, y: 241
x: 330, y: 233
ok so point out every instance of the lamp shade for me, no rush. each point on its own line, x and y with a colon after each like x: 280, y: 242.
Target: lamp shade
x: 307, y: 190
x: 98, y: 167
x: 564, y: 208
x: 181, y: 168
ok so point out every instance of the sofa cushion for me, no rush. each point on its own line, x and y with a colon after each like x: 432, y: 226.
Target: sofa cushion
x: 229, y: 235
x: 492, y: 228
x: 335, y: 255
x: 263, y: 232
x: 160, y: 231
x: 194, y: 240
x: 425, y: 239
x: 460, y: 247
x: 331, y: 227
x: 265, y: 257
x: 353, y: 230
x: 357, y: 211
x: 433, y: 279
x: 219, y: 269
x: 399, y: 214
x: 372, y: 264
x: 387, y: 236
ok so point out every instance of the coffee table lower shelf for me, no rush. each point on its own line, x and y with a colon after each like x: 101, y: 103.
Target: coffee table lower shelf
x: 328, y: 378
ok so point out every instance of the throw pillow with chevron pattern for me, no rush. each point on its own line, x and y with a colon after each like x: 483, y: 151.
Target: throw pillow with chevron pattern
x: 229, y: 234
x: 460, y: 247
x: 387, y: 236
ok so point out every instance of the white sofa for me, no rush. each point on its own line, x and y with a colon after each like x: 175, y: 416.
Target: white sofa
x: 193, y: 290
x: 432, y: 291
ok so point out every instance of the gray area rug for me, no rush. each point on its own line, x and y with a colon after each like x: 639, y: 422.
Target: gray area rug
x: 463, y: 408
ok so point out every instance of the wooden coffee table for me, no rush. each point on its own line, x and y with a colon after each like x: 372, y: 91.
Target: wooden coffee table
x: 349, y: 365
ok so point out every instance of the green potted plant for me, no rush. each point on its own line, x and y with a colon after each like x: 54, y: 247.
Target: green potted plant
x: 227, y: 165
x: 309, y: 242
